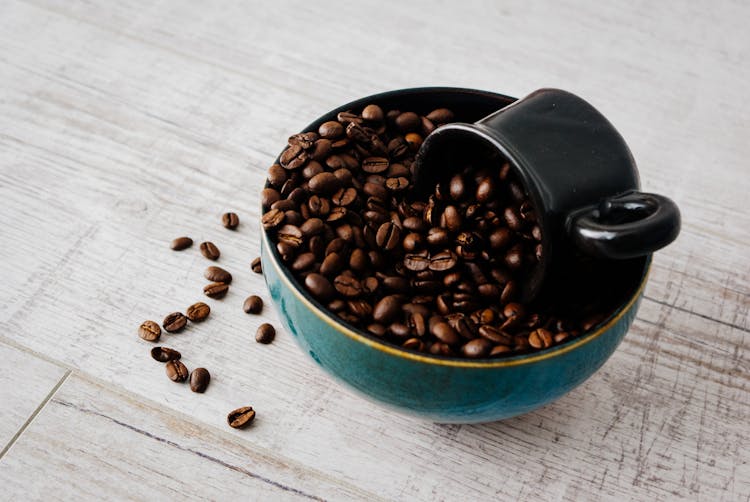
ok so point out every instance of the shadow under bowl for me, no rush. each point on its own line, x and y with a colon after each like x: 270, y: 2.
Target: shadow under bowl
x: 443, y: 389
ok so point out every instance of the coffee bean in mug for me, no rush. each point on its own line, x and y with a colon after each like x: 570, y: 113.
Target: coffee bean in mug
x: 210, y: 251
x: 149, y: 331
x: 230, y: 220
x: 217, y: 274
x: 241, y: 417
x: 181, y: 243
x: 265, y: 333
x: 253, y: 304
x: 165, y: 354
x: 176, y: 370
x: 199, y: 379
x: 174, y: 322
x: 198, y: 312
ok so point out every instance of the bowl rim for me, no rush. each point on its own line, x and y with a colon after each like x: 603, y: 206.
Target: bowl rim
x: 374, y: 342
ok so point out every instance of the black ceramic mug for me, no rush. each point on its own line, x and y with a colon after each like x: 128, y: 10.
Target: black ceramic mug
x: 577, y: 170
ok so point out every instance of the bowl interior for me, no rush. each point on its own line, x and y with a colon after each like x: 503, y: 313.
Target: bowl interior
x: 623, y: 280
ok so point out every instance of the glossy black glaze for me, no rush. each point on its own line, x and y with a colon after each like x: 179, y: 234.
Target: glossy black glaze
x: 571, y: 160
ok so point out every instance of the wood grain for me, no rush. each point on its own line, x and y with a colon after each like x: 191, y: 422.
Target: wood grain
x: 123, y: 126
x: 25, y: 384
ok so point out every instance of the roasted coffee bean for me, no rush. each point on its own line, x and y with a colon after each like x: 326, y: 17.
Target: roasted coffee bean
x: 514, y: 257
x: 417, y: 324
x: 290, y: 235
x: 485, y: 190
x: 331, y: 129
x: 176, y: 371
x: 500, y: 238
x: 359, y: 308
x: 416, y: 262
x: 377, y: 329
x: 414, y: 140
x: 198, y: 312
x: 451, y: 219
x: 408, y: 121
x: 253, y: 304
x: 457, y: 187
x: 499, y: 350
x: 305, y: 140
x: 495, y: 335
x: 398, y: 147
x: 319, y: 287
x: 324, y: 183
x: 437, y: 236
x: 312, y: 226
x: 373, y: 113
x: 479, y: 347
x: 344, y: 196
x: 443, y: 332
x: 294, y: 157
x: 443, y: 261
x: 241, y: 417
x: 277, y: 175
x: 440, y: 116
x: 347, y: 285
x: 217, y: 274
x: 312, y: 168
x: 540, y: 338
x: 265, y: 333
x: 210, y: 251
x: 388, y: 236
x: 230, y: 220
x: 216, y: 290
x: 375, y: 165
x: 512, y: 218
x: 164, y: 354
x: 149, y: 331
x: 412, y: 242
x: 332, y: 264
x: 268, y: 196
x: 399, y: 330
x: 304, y: 261
x: 181, y: 243
x: 199, y: 379
x: 397, y: 184
x: 256, y: 266
x: 386, y: 309
x: 359, y: 260
x: 174, y: 322
x: 272, y: 219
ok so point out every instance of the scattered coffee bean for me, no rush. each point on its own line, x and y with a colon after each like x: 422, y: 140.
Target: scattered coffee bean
x: 210, y: 251
x: 165, y: 354
x: 174, y: 322
x: 149, y: 331
x: 241, y: 417
x: 199, y: 379
x: 217, y: 274
x: 181, y: 243
x: 216, y: 290
x: 265, y: 333
x: 176, y: 371
x: 253, y: 305
x: 256, y: 266
x: 230, y: 220
x: 198, y: 312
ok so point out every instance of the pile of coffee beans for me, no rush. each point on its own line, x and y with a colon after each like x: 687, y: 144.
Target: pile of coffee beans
x: 176, y: 322
x: 439, y: 273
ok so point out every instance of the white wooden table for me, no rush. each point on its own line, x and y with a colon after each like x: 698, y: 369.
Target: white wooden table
x: 125, y: 124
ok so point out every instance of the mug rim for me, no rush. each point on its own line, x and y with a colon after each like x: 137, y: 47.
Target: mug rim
x: 374, y: 342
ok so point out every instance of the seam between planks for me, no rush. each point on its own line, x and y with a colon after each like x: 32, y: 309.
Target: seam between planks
x: 34, y: 414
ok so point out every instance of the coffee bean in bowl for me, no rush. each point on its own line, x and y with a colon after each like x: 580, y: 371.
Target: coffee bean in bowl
x: 414, y: 298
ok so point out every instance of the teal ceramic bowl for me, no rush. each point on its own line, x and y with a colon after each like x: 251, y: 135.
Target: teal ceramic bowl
x: 442, y: 389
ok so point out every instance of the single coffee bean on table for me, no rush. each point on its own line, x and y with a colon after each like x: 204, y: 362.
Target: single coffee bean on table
x: 176, y: 370
x: 217, y: 274
x: 438, y: 272
x: 253, y: 304
x: 199, y: 379
x: 241, y: 417
x: 165, y: 354
x: 255, y: 266
x: 181, y: 243
x: 149, y: 331
x: 265, y: 333
x: 174, y: 322
x: 198, y: 312
x: 216, y: 290
x: 210, y: 251
x: 230, y: 220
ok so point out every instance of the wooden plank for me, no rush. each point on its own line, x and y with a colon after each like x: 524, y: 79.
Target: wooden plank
x: 123, y: 127
x: 91, y: 442
x: 26, y: 381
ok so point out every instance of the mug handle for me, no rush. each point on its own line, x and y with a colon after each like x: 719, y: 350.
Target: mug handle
x: 625, y: 226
